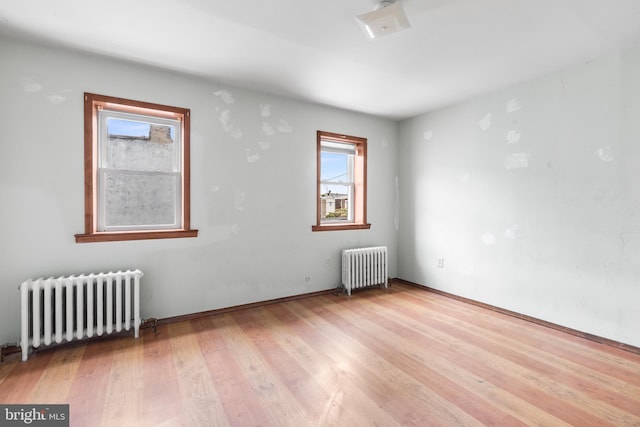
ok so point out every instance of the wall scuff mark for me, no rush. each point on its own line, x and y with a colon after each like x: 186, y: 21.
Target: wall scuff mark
x: 265, y: 110
x: 264, y: 145
x: 488, y: 239
x: 225, y: 120
x: 56, y: 99
x: 605, y: 154
x: 513, y: 136
x: 267, y: 129
x: 511, y: 232
x: 284, y: 126
x: 485, y: 122
x: 236, y: 133
x: 30, y: 85
x: 227, y: 125
x: 513, y: 105
x: 252, y: 157
x: 516, y: 161
x: 225, y: 95
x: 238, y: 200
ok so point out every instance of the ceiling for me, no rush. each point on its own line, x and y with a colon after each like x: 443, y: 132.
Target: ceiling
x: 314, y: 50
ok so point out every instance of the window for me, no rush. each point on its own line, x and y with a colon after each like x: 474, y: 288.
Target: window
x: 136, y: 170
x: 342, y: 182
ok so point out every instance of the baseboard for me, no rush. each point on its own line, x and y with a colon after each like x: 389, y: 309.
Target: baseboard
x: 154, y: 323
x: 570, y: 331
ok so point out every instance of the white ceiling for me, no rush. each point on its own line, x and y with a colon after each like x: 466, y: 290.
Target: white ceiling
x: 314, y: 50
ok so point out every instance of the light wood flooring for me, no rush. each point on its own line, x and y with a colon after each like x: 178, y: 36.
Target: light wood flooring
x: 403, y: 356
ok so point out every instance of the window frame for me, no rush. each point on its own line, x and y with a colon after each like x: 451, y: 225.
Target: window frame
x: 359, y: 197
x: 92, y: 104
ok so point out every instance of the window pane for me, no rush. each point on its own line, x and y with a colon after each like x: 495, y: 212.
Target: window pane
x: 127, y: 128
x: 140, y: 199
x: 334, y: 202
x: 138, y: 145
x: 335, y: 167
x: 336, y: 176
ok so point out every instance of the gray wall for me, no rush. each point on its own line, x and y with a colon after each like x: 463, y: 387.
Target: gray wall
x: 252, y: 187
x: 532, y: 197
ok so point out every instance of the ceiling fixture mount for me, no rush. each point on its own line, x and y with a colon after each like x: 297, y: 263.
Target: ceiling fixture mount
x: 387, y: 18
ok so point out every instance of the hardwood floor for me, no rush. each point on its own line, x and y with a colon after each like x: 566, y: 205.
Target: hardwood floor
x: 405, y: 356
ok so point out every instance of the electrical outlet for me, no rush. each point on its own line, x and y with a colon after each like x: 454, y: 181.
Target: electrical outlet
x: 440, y: 262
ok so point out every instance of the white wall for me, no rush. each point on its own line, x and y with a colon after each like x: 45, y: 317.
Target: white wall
x: 532, y: 197
x: 252, y: 187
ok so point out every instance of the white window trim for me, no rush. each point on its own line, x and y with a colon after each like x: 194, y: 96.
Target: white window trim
x: 103, y: 170
x: 348, y: 148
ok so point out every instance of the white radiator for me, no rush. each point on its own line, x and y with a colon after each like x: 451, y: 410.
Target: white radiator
x: 77, y: 307
x: 364, y: 267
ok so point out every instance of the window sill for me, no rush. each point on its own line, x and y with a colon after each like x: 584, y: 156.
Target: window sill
x: 134, y: 235
x: 338, y: 227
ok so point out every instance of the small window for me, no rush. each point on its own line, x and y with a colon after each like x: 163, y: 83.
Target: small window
x: 136, y: 170
x: 342, y: 182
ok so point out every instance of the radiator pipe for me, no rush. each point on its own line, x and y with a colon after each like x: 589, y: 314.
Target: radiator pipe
x: 153, y: 321
x: 8, y: 349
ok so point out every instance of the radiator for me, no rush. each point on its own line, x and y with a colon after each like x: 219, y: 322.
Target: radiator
x: 72, y: 308
x: 364, y: 267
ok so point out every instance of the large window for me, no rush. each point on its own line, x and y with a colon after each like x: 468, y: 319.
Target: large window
x: 342, y: 182
x: 136, y: 170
